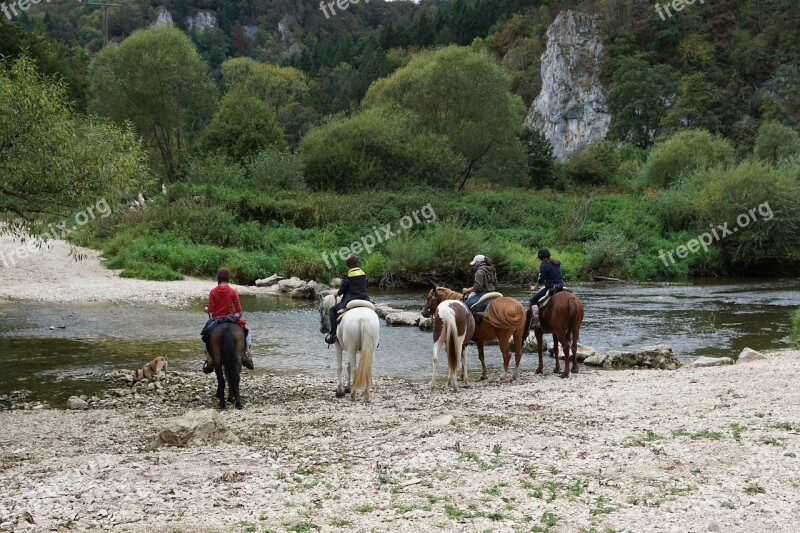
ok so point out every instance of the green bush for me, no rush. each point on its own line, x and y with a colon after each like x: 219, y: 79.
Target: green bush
x: 775, y: 142
x: 608, y: 253
x: 596, y: 164
x: 273, y: 169
x: 214, y: 169
x: 684, y: 153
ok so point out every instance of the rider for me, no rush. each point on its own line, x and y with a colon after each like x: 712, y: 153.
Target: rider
x: 549, y: 274
x: 354, y: 287
x: 485, y: 280
x: 223, y: 300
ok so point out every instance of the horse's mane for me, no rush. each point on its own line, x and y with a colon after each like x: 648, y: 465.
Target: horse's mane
x: 446, y: 294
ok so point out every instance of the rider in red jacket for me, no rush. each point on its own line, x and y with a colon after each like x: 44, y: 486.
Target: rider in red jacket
x: 223, y: 300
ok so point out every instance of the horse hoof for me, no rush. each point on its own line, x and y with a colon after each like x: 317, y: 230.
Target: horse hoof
x: 340, y: 394
x: 556, y: 371
x: 539, y: 371
x: 575, y: 370
x: 564, y: 376
x: 221, y: 406
x: 347, y: 390
x: 484, y: 378
x: 238, y: 406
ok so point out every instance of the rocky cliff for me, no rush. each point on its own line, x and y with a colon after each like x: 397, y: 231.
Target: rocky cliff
x: 571, y: 108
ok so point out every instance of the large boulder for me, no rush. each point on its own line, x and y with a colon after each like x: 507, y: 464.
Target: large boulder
x: 660, y: 356
x: 336, y: 283
x: 195, y: 428
x: 426, y: 324
x: 384, y: 309
x: 402, y: 318
x: 270, y: 281
x: 595, y: 360
x: 583, y: 352
x: 701, y: 362
x: 77, y: 404
x: 749, y: 355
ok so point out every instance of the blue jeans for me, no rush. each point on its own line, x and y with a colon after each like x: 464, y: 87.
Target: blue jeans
x: 248, y: 340
x: 474, y: 297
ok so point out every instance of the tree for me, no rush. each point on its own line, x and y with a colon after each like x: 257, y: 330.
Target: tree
x: 242, y: 127
x: 275, y: 86
x: 775, y: 142
x: 699, y: 104
x: 539, y: 160
x: 638, y: 101
x: 156, y: 80
x: 684, y: 153
x: 464, y: 95
x: 53, y: 160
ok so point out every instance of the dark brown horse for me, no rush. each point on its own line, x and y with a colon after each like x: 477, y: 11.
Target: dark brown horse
x: 562, y: 317
x: 226, y: 348
x: 505, y: 318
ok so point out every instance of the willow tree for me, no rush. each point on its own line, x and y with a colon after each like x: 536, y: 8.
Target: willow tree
x: 466, y: 96
x: 54, y: 161
x: 156, y: 80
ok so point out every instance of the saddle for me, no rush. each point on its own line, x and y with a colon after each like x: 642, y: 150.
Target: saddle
x: 353, y: 304
x: 214, y: 322
x: 483, y: 303
x: 546, y: 298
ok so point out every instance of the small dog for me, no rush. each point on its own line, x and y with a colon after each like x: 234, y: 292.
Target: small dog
x: 152, y: 370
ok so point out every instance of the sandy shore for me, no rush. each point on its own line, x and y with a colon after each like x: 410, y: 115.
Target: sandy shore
x: 52, y: 275
x: 710, y: 449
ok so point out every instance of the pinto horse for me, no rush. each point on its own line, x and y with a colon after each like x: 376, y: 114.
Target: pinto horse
x: 562, y: 317
x: 505, y: 318
x: 454, y: 326
x: 226, y: 348
x: 358, y: 332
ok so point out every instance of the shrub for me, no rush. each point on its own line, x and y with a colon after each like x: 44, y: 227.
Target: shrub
x: 684, y: 153
x: 214, y: 169
x: 273, y: 169
x: 596, y: 164
x: 775, y: 142
x: 608, y: 253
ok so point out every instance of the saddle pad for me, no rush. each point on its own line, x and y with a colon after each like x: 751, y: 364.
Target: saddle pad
x: 361, y: 303
x: 477, y: 306
x: 549, y: 294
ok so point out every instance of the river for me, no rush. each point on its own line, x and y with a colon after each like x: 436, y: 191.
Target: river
x: 712, y: 318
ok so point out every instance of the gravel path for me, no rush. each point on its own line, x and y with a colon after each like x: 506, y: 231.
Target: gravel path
x: 710, y: 449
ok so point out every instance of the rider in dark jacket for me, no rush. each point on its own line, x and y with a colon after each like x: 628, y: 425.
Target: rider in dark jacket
x: 354, y: 287
x: 549, y: 274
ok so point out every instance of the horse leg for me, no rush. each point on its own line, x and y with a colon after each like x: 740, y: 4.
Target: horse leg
x: 565, y: 345
x: 484, y: 373
x: 575, y: 366
x: 517, y: 352
x: 504, y: 339
x: 220, y: 387
x: 557, y: 369
x: 436, y: 347
x: 464, y: 371
x: 340, y: 386
x: 351, y: 369
x: 540, y: 349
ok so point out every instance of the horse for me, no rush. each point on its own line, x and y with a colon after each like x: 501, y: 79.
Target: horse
x: 505, y: 318
x: 562, y: 317
x: 226, y: 348
x: 454, y: 326
x: 358, y: 332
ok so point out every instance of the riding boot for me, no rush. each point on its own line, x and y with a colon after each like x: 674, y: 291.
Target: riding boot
x: 331, y: 337
x: 535, y: 316
x: 208, y: 364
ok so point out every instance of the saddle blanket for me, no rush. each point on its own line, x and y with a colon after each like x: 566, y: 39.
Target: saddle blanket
x: 214, y: 322
x: 553, y: 290
x: 354, y: 304
x: 483, y: 303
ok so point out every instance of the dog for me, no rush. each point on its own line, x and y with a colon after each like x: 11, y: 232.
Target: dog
x: 152, y: 370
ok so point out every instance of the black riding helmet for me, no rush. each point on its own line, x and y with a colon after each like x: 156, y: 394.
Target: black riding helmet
x: 544, y: 253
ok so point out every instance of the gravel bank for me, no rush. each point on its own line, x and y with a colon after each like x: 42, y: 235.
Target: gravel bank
x: 709, y: 449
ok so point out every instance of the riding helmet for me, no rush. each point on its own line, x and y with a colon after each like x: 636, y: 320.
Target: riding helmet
x: 544, y: 253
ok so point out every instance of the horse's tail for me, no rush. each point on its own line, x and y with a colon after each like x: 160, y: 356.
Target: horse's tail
x: 227, y: 353
x: 369, y: 343
x: 448, y: 318
x: 574, y: 320
x: 506, y: 313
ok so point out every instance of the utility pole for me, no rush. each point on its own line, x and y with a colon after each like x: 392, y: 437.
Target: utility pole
x: 105, y: 6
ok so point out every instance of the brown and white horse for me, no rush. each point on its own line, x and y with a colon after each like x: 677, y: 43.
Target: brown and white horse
x: 505, y: 318
x: 562, y: 317
x: 454, y: 326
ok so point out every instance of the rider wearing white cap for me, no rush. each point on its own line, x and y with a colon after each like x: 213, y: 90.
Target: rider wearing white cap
x: 485, y: 279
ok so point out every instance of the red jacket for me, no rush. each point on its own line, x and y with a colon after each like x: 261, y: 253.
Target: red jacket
x: 223, y: 300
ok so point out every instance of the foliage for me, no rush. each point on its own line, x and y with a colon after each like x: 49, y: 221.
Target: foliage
x: 538, y: 157
x: 463, y: 95
x: 274, y: 169
x: 684, y: 153
x: 242, y: 127
x: 276, y: 86
x: 595, y: 164
x: 156, y: 80
x: 378, y: 147
x: 775, y: 142
x: 75, y: 160
x: 638, y: 100
x: 796, y: 327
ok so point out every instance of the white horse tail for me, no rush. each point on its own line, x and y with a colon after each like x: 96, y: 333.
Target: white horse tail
x: 448, y: 317
x: 363, y: 377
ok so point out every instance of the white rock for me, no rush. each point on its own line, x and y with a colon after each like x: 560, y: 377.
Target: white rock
x: 701, y: 362
x: 195, y: 428
x: 402, y: 318
x: 77, y: 404
x: 595, y: 360
x: 270, y: 281
x: 749, y: 355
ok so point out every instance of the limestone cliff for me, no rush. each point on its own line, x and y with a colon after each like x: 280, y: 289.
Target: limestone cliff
x: 571, y: 109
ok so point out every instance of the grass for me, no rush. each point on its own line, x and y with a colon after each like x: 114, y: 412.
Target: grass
x: 755, y: 488
x: 600, y: 508
x: 340, y: 523
x: 302, y: 527
x: 454, y: 513
x: 494, y: 462
x: 364, y: 509
x: 702, y: 434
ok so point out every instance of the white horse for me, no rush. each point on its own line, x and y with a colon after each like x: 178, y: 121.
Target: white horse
x: 358, y: 331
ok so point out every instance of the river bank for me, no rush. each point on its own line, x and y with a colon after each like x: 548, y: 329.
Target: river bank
x: 708, y: 449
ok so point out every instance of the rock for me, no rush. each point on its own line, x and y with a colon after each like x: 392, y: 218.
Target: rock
x: 530, y: 346
x: 336, y: 283
x: 201, y: 21
x: 164, y: 18
x: 583, y: 352
x: 660, y: 356
x: 425, y: 324
x: 195, y: 428
x: 570, y: 108
x: 616, y: 359
x: 270, y: 281
x: 77, y: 404
x: 749, y: 355
x: 701, y: 362
x: 402, y: 318
x: 384, y: 309
x: 291, y: 284
x: 595, y: 360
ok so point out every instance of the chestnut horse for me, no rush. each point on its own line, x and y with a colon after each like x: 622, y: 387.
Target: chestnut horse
x: 562, y: 317
x: 453, y: 325
x: 505, y: 318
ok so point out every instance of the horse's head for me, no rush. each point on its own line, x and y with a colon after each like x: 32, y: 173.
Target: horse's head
x: 431, y: 303
x: 325, y: 304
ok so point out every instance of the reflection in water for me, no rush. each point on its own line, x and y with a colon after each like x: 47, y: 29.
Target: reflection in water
x: 711, y: 318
